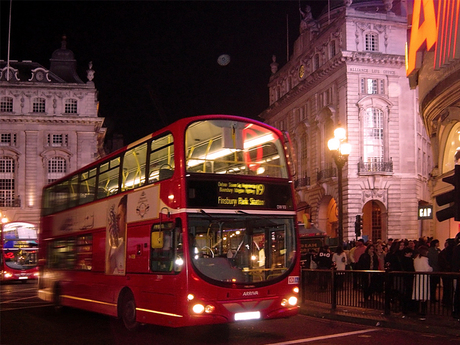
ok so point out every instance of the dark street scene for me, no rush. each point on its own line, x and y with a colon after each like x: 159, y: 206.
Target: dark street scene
x: 230, y: 172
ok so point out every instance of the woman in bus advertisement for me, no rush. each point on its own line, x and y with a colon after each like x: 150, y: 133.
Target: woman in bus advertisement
x: 116, y: 237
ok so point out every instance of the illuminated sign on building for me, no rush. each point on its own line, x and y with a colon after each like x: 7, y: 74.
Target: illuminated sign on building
x: 434, y: 24
x: 425, y: 212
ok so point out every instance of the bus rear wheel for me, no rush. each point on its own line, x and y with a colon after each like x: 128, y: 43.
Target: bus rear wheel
x: 57, y: 298
x: 128, y: 311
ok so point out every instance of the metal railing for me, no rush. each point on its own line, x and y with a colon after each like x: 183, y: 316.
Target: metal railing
x: 375, y: 167
x: 302, y: 182
x: 15, y: 202
x: 391, y: 292
x: 326, y: 173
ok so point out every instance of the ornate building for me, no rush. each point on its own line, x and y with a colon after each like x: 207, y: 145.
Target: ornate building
x: 49, y: 127
x: 348, y: 69
x: 434, y: 69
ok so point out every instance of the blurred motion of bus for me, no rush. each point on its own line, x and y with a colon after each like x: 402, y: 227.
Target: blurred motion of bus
x: 19, y: 259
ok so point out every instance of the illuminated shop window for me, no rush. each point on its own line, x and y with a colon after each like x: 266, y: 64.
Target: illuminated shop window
x: 452, y: 146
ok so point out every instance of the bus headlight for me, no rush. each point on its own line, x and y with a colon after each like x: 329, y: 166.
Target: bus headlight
x: 198, y: 308
x: 291, y: 301
x: 7, y: 275
x: 209, y: 309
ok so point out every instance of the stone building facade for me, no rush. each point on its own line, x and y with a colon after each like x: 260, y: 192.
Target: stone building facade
x: 434, y: 70
x: 348, y: 69
x: 49, y: 126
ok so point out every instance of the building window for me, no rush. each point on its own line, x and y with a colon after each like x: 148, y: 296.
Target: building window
x: 371, y: 42
x: 373, y: 137
x: 70, y: 106
x: 57, y: 168
x: 6, y: 182
x: 332, y: 50
x: 6, y: 105
x: 38, y: 105
x: 316, y: 62
x: 8, y: 139
x: 371, y: 86
x: 304, y: 155
x: 376, y: 222
x: 57, y: 140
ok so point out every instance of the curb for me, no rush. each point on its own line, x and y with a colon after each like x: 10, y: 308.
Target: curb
x: 449, y: 326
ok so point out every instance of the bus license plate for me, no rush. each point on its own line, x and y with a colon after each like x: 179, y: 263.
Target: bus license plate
x: 23, y: 277
x: 251, y: 315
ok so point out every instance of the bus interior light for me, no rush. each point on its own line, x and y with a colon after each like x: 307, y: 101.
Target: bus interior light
x: 179, y: 261
x: 225, y: 152
x: 260, y: 170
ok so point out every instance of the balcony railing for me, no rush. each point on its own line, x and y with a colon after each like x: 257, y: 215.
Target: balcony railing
x: 302, y: 182
x: 375, y: 167
x: 16, y: 202
x: 326, y: 173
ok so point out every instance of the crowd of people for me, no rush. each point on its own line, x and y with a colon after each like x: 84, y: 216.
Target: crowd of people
x: 422, y: 255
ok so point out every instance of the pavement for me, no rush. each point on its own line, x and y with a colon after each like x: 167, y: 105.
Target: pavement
x: 432, y: 324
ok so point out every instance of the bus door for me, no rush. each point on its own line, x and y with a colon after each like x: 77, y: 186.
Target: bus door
x: 163, y: 259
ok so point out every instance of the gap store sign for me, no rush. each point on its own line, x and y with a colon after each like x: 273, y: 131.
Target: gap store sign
x: 425, y: 212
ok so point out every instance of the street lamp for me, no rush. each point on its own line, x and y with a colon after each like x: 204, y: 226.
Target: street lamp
x: 340, y: 150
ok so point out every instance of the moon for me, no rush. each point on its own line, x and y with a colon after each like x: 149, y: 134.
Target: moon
x: 223, y: 60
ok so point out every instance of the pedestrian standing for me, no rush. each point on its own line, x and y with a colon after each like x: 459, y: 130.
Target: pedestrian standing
x: 421, y: 287
x: 368, y: 261
x: 324, y: 261
x: 456, y: 269
x: 339, y: 261
x: 433, y: 258
x: 445, y: 265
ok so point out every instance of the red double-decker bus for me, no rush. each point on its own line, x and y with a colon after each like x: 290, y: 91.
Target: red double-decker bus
x: 19, y: 247
x: 192, y: 225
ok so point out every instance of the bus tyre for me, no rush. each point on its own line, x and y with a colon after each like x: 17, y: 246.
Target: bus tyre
x: 128, y: 311
x: 57, y: 298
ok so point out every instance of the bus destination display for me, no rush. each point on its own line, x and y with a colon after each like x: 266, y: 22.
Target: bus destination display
x: 231, y: 194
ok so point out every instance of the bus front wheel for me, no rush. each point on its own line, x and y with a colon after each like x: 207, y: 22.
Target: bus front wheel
x: 128, y: 311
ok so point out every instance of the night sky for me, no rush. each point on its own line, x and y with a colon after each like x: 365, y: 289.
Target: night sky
x: 156, y: 61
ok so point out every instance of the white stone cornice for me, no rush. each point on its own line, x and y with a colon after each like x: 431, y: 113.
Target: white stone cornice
x: 374, y: 58
x: 52, y: 120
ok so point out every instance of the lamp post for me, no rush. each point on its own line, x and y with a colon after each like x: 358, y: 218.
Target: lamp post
x: 340, y: 149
